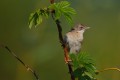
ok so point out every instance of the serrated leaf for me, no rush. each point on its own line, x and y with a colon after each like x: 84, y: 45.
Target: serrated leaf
x: 63, y: 9
x: 36, y: 17
x: 68, y: 18
x: 84, y: 63
x: 81, y: 78
x: 44, y: 12
x: 38, y: 20
x: 90, y: 69
x: 31, y: 20
x: 84, y: 78
x: 69, y: 10
x: 85, y: 58
x: 74, y: 61
x: 73, y: 56
x: 87, y: 77
x: 46, y: 15
x: 30, y: 24
x: 78, y: 72
x: 88, y: 74
x: 57, y: 14
x: 63, y: 4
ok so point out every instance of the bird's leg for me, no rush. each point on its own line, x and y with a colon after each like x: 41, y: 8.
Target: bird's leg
x: 66, y: 54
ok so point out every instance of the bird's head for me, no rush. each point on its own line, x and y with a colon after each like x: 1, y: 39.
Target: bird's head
x: 80, y: 27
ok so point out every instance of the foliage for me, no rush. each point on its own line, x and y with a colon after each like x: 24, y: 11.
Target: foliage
x: 36, y: 17
x: 83, y: 65
x: 60, y: 9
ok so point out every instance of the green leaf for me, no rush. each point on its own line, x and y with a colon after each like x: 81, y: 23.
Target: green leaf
x: 57, y: 14
x: 69, y: 10
x: 91, y: 69
x: 68, y: 18
x: 78, y: 72
x: 31, y: 20
x: 63, y: 9
x: 84, y: 59
x: 74, y: 61
x: 85, y: 77
x: 88, y: 74
x: 44, y: 12
x: 36, y: 17
x: 83, y: 66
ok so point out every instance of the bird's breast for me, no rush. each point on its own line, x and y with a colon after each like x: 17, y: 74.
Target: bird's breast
x: 75, y: 36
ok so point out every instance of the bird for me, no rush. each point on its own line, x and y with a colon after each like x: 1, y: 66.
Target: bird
x: 74, y: 38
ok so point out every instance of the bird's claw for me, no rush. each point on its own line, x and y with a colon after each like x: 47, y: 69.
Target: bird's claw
x: 67, y: 61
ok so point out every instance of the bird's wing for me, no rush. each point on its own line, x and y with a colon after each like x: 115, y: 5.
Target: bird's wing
x: 65, y: 39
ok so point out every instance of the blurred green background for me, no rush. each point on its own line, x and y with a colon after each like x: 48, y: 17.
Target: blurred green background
x: 40, y: 47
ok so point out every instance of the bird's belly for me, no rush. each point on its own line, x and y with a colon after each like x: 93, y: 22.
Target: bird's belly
x: 74, y: 46
x: 74, y: 43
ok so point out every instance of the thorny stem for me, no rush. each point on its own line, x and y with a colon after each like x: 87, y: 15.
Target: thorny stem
x: 25, y: 65
x: 62, y: 41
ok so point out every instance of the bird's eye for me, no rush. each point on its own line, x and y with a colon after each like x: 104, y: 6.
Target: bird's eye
x: 72, y: 29
x: 81, y: 28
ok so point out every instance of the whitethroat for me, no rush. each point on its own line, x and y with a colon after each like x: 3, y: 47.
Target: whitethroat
x: 74, y: 38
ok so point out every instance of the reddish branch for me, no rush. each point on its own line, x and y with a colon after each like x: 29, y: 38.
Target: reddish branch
x: 66, y: 53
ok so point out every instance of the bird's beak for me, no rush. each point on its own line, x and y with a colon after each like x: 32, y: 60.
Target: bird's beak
x: 87, y: 27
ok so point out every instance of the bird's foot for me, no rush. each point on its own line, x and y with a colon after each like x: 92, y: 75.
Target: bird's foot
x: 67, y: 60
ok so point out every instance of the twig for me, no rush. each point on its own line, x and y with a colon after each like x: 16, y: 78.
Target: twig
x: 109, y: 69
x: 62, y: 41
x: 25, y: 65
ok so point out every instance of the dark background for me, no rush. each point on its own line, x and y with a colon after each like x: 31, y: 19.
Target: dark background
x: 40, y: 47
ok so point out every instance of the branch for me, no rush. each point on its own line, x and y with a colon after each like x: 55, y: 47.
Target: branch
x: 65, y: 49
x: 62, y: 41
x: 25, y: 65
x: 109, y: 69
